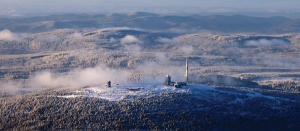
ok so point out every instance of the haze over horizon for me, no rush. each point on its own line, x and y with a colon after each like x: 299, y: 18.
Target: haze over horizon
x: 288, y: 8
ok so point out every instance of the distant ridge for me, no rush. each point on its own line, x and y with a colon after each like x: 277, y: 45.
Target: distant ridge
x: 150, y: 21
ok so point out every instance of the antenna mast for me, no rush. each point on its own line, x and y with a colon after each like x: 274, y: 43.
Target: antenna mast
x: 186, y: 71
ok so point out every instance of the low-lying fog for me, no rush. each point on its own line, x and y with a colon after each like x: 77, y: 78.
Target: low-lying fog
x: 78, y: 58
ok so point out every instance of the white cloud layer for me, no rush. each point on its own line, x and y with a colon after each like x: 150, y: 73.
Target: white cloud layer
x: 265, y: 42
x: 187, y: 50
x: 8, y: 36
x: 128, y: 39
x: 78, y: 78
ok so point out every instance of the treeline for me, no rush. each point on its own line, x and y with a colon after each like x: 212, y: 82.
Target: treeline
x: 166, y: 112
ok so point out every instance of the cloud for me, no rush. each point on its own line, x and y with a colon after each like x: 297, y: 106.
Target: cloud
x: 78, y: 78
x: 128, y: 39
x: 9, y: 36
x: 275, y: 60
x: 74, y: 79
x: 265, y: 42
x: 161, y: 57
x: 10, y: 87
x: 131, y: 44
x: 187, y: 50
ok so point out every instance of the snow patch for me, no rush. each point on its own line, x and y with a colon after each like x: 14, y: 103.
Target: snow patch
x: 132, y: 91
x: 70, y: 96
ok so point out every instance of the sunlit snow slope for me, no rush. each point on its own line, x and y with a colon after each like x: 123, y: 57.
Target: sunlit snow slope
x: 130, y: 91
x: 144, y: 90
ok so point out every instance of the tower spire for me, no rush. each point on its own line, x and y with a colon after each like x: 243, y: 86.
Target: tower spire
x: 186, y: 71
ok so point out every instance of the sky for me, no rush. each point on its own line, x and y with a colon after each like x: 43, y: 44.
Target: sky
x: 40, y: 7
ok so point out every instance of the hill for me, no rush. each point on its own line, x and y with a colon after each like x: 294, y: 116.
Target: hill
x: 150, y: 21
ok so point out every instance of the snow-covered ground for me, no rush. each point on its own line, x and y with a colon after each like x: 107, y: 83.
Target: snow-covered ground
x: 132, y: 90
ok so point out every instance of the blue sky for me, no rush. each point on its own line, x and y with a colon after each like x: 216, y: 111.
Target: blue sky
x: 19, y: 7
